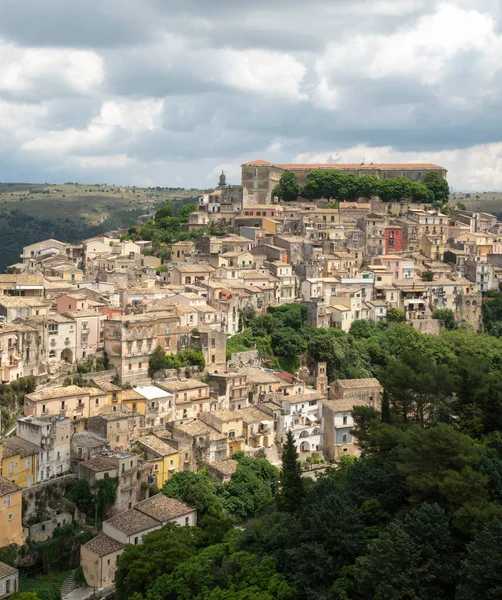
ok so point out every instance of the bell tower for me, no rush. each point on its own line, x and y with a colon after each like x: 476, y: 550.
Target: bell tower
x: 223, y: 180
x: 321, y: 378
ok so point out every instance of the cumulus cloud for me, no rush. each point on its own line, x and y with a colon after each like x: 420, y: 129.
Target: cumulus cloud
x: 167, y: 91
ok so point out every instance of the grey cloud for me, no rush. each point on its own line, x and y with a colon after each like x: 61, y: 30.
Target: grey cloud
x: 169, y: 50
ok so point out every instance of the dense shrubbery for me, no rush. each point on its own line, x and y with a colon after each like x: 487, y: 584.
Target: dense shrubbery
x: 11, y: 398
x: 188, y: 357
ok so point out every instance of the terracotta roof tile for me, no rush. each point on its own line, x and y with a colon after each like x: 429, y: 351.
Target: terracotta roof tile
x: 162, y: 508
x: 102, y: 545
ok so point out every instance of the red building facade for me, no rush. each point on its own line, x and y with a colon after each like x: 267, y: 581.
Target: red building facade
x: 393, y: 239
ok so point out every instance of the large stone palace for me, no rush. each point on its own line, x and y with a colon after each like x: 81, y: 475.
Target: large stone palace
x: 259, y: 177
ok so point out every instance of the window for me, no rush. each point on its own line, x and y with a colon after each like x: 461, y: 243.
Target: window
x: 11, y: 466
x: 8, y: 501
x: 11, y: 516
x: 344, y: 438
x: 117, y: 438
x: 345, y: 419
x: 97, y: 401
x: 136, y: 541
x: 187, y: 521
x: 27, y: 462
x: 255, y: 172
x: 155, y: 467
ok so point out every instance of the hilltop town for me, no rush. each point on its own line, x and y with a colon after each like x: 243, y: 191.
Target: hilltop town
x: 143, y: 353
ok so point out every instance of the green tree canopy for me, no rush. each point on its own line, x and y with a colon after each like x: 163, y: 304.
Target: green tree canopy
x: 197, y: 490
x: 413, y: 558
x: 159, y: 553
x: 291, y: 484
x: 287, y: 189
x: 437, y: 186
x: 481, y: 572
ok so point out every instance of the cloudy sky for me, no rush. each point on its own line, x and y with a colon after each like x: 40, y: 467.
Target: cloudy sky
x: 164, y: 92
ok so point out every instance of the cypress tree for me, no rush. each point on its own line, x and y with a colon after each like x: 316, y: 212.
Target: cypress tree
x: 385, y: 414
x: 289, y: 498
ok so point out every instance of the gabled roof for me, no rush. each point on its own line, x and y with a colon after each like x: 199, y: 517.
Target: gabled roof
x: 162, y: 508
x: 102, y: 545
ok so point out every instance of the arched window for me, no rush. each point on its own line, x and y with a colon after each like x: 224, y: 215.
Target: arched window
x: 52, y: 354
x: 474, y: 302
x: 304, y: 434
x: 344, y: 438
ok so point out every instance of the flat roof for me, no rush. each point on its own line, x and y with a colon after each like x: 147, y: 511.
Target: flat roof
x: 151, y: 392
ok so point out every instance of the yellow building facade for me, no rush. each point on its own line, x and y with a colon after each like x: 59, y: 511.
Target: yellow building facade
x: 18, y: 461
x: 11, y: 503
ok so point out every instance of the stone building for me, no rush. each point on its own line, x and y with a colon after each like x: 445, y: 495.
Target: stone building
x: 51, y: 434
x: 259, y: 177
x: 9, y: 580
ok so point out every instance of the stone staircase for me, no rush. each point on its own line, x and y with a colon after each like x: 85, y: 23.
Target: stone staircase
x: 68, y: 584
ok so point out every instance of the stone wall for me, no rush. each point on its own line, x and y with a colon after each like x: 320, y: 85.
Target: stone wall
x: 45, y: 492
x: 432, y: 326
x: 45, y: 530
x: 238, y: 360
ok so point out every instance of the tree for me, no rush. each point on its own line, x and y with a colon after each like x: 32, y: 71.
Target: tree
x: 417, y: 385
x: 395, y: 189
x: 363, y: 417
x: 24, y: 596
x: 290, y: 496
x: 410, y: 559
x: 481, y: 572
x: 105, y: 496
x: 368, y: 186
x: 218, y: 574
x: 251, y: 488
x: 288, y: 343
x: 287, y: 189
x: 438, y: 465
x: 157, y: 362
x: 159, y: 553
x: 80, y: 494
x: 184, y: 211
x: 395, y: 315
x: 362, y: 329
x: 446, y: 316
x: 385, y: 414
x: 427, y: 276
x: 437, y: 186
x: 166, y: 210
x: 197, y: 490
x: 492, y: 316
x: 421, y: 193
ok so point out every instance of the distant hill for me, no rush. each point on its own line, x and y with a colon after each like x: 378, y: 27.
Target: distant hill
x: 490, y: 202
x: 72, y: 212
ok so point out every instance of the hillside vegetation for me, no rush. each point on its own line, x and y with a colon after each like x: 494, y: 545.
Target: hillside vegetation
x: 72, y: 212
